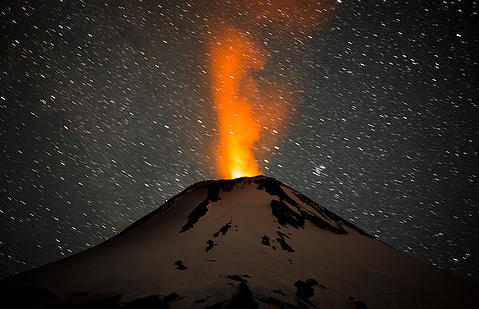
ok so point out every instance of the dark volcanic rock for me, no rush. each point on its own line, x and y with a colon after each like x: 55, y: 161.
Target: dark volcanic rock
x: 211, y: 244
x: 284, y: 245
x: 286, y: 215
x: 242, y: 299
x: 214, y: 191
x: 172, y: 297
x: 198, y: 212
x: 237, y: 278
x: 281, y: 240
x: 213, y: 196
x: 330, y: 214
x: 358, y: 304
x: 265, y: 240
x: 179, y: 265
x: 223, y: 230
x: 202, y: 209
x: 305, y: 290
x: 273, y: 187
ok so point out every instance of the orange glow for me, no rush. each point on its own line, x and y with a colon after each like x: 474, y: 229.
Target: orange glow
x: 233, y: 58
x: 252, y: 108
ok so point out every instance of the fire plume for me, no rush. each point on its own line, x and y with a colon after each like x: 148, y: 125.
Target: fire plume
x: 234, y: 59
x: 249, y: 108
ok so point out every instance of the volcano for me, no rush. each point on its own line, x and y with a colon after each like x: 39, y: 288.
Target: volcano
x: 242, y: 243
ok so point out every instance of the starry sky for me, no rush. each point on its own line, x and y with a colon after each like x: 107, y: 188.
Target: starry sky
x: 106, y: 112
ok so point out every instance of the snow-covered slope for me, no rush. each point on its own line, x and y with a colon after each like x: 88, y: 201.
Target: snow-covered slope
x: 241, y: 243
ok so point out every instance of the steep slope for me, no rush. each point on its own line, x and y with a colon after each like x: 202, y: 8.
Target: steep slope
x: 241, y: 243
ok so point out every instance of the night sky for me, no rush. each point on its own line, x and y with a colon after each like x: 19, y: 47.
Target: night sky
x: 107, y: 112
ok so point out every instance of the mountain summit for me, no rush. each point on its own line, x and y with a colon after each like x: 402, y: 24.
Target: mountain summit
x: 242, y: 243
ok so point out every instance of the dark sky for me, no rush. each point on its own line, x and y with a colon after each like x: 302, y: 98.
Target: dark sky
x: 106, y: 112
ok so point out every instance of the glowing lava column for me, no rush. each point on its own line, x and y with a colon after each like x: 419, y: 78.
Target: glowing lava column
x: 233, y: 58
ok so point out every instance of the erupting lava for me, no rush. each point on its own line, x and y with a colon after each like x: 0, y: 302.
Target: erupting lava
x: 234, y: 58
x: 250, y: 109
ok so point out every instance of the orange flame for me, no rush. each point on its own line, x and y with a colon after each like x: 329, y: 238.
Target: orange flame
x: 249, y: 110
x: 234, y: 58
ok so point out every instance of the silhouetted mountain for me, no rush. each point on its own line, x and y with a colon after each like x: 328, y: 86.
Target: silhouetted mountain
x: 243, y: 243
